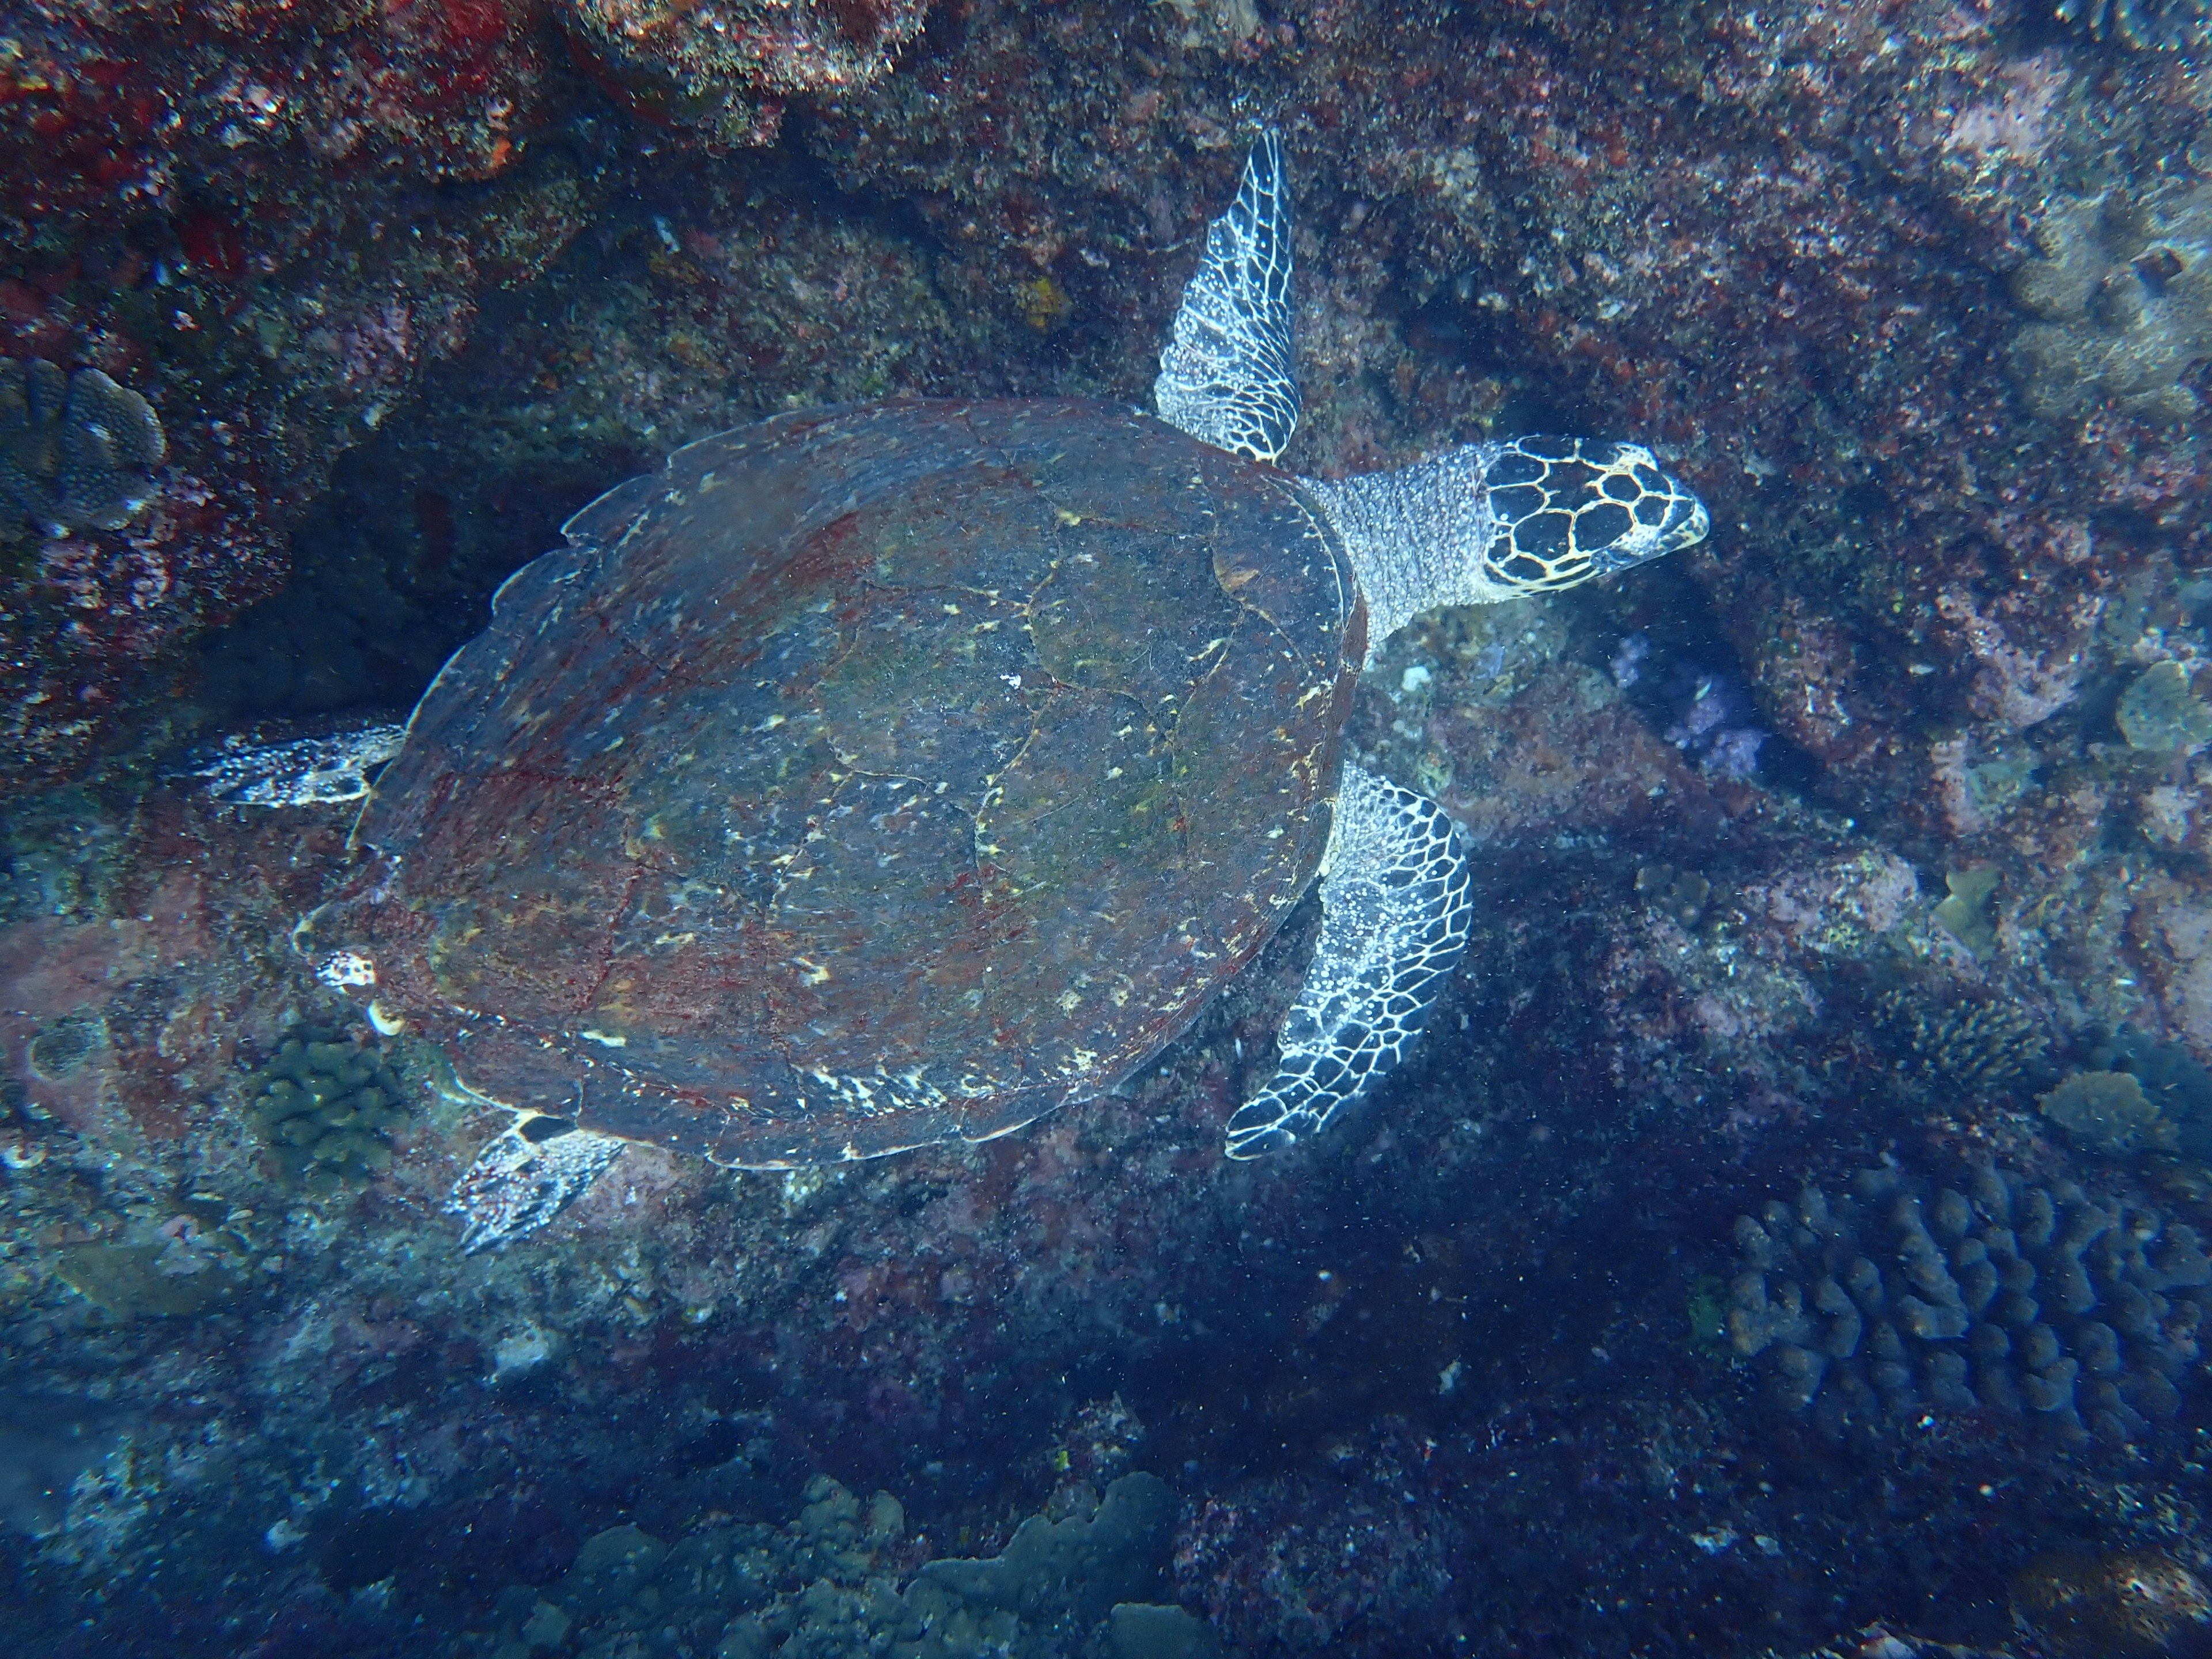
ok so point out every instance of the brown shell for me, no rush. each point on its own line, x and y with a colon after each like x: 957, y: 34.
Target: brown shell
x: 867, y: 778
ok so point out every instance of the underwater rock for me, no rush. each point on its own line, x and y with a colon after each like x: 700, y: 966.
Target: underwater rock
x: 45, y: 1442
x: 1142, y: 1631
x: 2160, y: 714
x: 827, y: 1583
x: 76, y: 450
x: 2136, y: 1604
x: 2124, y: 291
x: 2108, y: 1112
x: 729, y: 68
x: 1899, y: 1298
x: 1679, y: 895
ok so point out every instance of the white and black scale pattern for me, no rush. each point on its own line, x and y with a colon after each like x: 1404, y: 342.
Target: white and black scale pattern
x: 1899, y: 1299
x: 1569, y: 507
x: 1227, y: 375
x: 1394, y: 915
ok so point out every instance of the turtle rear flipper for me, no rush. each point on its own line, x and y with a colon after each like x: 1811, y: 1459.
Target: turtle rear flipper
x: 1227, y: 376
x: 524, y: 1176
x: 318, y: 771
x: 1395, y: 913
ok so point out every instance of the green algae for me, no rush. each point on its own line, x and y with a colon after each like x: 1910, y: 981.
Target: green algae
x: 1966, y: 914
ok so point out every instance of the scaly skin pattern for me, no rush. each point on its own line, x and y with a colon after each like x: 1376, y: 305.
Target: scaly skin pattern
x: 866, y: 779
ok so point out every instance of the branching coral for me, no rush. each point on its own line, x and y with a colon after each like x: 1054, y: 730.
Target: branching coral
x: 76, y: 450
x: 1968, y: 1048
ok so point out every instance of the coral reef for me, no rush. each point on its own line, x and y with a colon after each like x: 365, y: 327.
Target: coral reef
x: 728, y: 69
x: 2132, y: 1605
x: 828, y: 1582
x: 1898, y: 1298
x: 2124, y: 290
x: 406, y: 286
x: 76, y: 450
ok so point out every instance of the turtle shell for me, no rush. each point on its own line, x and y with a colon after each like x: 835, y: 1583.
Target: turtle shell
x: 866, y: 779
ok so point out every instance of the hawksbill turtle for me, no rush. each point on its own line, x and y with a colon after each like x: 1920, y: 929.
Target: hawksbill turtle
x: 893, y: 774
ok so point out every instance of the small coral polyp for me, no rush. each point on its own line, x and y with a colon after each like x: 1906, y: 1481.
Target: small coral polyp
x: 726, y: 68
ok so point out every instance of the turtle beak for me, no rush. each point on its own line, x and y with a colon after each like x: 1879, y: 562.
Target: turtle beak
x: 1685, y: 524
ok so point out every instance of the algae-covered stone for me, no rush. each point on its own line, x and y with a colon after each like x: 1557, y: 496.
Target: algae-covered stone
x: 133, y: 1281
x: 2108, y: 1112
x: 2160, y: 714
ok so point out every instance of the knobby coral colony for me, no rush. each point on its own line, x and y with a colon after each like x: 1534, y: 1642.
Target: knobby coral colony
x: 2146, y: 25
x: 76, y: 450
x: 1898, y: 1298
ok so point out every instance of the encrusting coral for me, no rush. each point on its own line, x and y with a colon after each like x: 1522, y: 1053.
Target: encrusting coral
x: 76, y: 450
x: 827, y: 1583
x: 2160, y: 714
x: 2123, y: 293
x: 2108, y: 1112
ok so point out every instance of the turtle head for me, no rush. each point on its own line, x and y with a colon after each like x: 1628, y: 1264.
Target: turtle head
x: 1564, y: 510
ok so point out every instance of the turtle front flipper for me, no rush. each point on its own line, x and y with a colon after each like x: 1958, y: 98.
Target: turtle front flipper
x: 1393, y: 923
x: 1227, y: 376
x: 524, y: 1176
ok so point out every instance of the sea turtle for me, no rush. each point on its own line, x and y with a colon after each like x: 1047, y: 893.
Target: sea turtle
x: 893, y: 774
